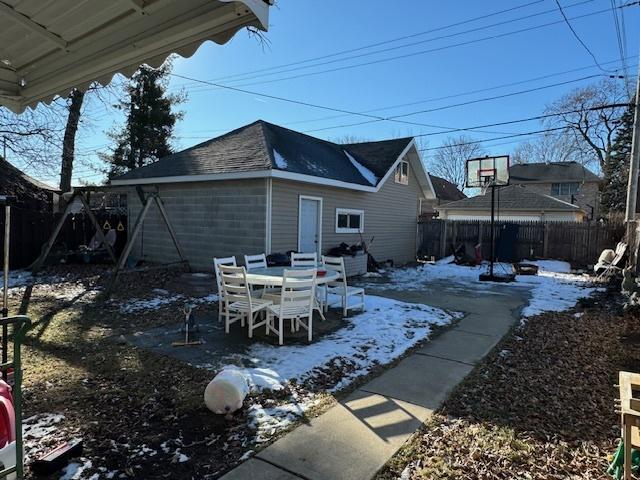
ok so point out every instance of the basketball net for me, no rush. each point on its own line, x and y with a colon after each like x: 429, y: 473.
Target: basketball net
x: 487, y: 182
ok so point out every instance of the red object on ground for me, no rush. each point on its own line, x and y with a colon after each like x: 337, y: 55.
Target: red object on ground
x: 7, y: 415
x: 478, y: 252
x: 321, y: 273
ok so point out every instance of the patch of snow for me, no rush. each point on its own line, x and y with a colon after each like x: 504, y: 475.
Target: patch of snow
x: 377, y: 336
x: 179, y: 457
x: 371, y: 275
x: 281, y: 163
x: 552, y: 290
x: 557, y: 266
x: 269, y: 420
x: 74, y: 470
x: 368, y: 175
x: 17, y: 278
x: 161, y: 299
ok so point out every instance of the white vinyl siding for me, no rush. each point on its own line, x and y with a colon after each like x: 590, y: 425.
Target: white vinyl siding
x: 391, y: 217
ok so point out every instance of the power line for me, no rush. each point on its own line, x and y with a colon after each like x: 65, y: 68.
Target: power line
x: 413, y: 54
x: 428, y: 40
x: 385, y: 42
x: 546, y: 130
x: 575, y: 34
x: 529, y: 119
x: 461, y: 104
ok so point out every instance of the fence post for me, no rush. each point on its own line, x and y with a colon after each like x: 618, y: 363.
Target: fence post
x: 545, y: 240
x: 443, y: 238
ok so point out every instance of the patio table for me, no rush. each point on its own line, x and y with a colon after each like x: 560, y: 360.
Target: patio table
x: 274, y: 276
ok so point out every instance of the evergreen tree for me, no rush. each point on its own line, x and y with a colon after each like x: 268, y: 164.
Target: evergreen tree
x: 616, y: 167
x: 146, y: 135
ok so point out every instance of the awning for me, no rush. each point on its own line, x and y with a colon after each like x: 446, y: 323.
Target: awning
x: 48, y: 47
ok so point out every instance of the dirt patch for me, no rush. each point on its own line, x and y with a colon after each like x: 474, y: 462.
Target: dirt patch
x: 541, y: 405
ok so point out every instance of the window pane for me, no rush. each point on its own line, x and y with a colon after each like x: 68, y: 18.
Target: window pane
x: 405, y: 168
x: 343, y: 220
x: 354, y: 221
x: 555, y: 189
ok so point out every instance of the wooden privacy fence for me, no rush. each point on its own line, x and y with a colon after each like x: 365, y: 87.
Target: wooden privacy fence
x: 577, y: 243
x: 31, y: 229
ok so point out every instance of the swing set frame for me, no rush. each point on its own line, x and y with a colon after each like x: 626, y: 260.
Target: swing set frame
x: 147, y: 198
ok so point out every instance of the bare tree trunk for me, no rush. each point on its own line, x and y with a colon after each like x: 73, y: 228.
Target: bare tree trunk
x: 69, y: 142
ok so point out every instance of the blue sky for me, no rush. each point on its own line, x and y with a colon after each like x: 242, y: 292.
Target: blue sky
x: 305, y: 29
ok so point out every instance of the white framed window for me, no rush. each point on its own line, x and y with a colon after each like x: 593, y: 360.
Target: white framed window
x: 568, y: 188
x: 402, y: 173
x: 349, y: 220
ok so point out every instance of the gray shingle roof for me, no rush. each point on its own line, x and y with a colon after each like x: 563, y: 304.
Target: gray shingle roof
x: 445, y: 190
x: 263, y: 146
x: 554, y: 172
x: 513, y: 197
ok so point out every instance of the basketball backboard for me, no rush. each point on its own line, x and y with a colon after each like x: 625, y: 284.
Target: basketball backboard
x: 488, y: 171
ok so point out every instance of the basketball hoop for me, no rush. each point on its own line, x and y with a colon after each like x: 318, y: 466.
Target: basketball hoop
x: 485, y: 173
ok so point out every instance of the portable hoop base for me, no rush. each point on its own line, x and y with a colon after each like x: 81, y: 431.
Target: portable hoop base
x: 497, y: 277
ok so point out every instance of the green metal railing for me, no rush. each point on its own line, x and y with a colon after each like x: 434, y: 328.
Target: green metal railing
x: 21, y: 324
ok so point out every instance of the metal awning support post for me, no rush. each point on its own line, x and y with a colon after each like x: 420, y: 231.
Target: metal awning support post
x: 20, y: 324
x: 37, y: 265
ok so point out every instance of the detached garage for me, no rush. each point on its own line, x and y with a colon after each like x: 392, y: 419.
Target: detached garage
x: 265, y: 188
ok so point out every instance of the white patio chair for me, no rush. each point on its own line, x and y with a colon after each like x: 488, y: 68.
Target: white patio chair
x: 238, y: 302
x: 340, y: 287
x: 297, y: 303
x: 229, y: 261
x: 604, y: 268
x: 253, y: 262
x: 307, y: 260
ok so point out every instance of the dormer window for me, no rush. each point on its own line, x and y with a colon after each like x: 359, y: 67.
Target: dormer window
x: 402, y: 173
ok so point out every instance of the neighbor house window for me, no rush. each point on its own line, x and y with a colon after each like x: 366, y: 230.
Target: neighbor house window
x: 570, y: 188
x: 349, y: 220
x: 402, y: 173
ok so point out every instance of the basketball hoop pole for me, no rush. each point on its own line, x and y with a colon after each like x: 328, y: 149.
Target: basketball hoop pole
x: 493, y: 243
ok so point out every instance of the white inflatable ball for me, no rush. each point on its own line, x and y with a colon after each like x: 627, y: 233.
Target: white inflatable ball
x: 226, y: 392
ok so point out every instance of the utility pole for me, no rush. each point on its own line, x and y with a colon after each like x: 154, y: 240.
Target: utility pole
x: 634, y: 164
x: 632, y: 188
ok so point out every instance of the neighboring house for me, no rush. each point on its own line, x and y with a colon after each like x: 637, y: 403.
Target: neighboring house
x: 567, y: 181
x: 31, y: 194
x: 445, y: 192
x: 515, y: 203
x: 264, y: 188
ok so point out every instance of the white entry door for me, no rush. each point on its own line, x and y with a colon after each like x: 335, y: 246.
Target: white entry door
x: 309, y: 224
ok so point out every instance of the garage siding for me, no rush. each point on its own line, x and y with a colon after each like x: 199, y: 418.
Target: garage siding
x: 389, y: 214
x: 211, y: 219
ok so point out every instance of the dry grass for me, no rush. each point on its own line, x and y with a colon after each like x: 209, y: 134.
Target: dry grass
x: 541, y: 406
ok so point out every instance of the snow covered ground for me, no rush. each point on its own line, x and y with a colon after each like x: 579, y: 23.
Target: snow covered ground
x: 553, y: 289
x: 385, y: 331
x: 159, y: 299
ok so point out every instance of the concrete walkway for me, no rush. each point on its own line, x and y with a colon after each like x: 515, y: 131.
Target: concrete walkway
x: 356, y: 437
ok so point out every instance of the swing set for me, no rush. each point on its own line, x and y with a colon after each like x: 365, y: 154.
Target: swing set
x: 147, y: 199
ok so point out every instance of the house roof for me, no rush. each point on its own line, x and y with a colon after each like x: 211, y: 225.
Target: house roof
x: 28, y: 191
x: 445, y: 190
x: 50, y: 47
x: 553, y: 172
x: 512, y: 197
x: 262, y: 146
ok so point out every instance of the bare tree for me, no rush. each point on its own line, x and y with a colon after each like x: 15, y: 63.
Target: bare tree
x: 449, y: 160
x: 553, y: 147
x: 32, y: 139
x: 590, y: 127
x: 345, y: 139
x: 76, y: 98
